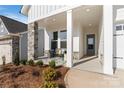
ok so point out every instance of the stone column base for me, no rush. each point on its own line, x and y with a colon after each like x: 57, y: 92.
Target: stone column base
x: 75, y: 55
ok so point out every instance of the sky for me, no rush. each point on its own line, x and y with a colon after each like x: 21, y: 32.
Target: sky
x: 13, y: 11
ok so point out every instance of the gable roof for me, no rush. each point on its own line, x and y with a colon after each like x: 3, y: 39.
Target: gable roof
x: 13, y: 26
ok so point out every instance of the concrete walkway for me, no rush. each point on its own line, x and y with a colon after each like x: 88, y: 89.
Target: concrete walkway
x: 76, y: 78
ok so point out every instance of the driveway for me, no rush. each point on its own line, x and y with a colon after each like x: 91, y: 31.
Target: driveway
x: 76, y: 78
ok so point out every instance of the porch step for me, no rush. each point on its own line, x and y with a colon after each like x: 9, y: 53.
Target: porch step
x: 82, y: 60
x: 87, y: 58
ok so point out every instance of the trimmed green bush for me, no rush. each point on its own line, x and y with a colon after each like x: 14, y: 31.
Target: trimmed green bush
x: 49, y: 74
x: 16, y: 63
x: 39, y: 63
x: 31, y: 62
x: 52, y: 63
x: 49, y: 84
x: 23, y: 62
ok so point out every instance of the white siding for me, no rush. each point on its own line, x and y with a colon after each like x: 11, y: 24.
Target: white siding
x: 101, y: 41
x: 37, y: 11
x: 118, y: 37
x: 3, y: 30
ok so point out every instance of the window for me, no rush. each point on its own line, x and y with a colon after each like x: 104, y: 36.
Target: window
x: 90, y: 47
x: 63, y: 35
x: 1, y: 27
x: 55, y: 35
x: 123, y: 27
x: 1, y: 30
x: 53, y: 44
x: 63, y: 38
x: 119, y: 27
x: 63, y: 44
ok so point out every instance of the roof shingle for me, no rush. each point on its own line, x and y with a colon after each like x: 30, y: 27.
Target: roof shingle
x: 13, y: 26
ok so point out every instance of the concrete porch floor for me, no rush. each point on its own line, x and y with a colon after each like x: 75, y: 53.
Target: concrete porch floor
x: 92, y: 64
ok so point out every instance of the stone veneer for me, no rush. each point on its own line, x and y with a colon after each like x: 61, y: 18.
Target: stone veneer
x: 7, y: 55
x: 15, y: 48
x: 32, y: 41
x: 47, y: 53
x: 76, y: 55
x: 13, y: 41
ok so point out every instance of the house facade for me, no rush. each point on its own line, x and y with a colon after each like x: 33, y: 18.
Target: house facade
x: 80, y: 30
x: 10, y: 39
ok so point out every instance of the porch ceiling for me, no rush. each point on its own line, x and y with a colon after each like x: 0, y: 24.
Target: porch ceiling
x: 56, y: 20
x: 89, y: 15
x: 85, y: 15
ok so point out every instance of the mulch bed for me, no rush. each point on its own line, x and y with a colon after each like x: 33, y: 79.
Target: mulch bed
x: 25, y: 76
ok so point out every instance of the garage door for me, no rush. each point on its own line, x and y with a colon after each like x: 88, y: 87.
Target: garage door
x: 119, y: 46
x: 5, y: 50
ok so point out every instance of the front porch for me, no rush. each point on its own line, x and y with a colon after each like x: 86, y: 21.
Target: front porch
x: 76, y: 33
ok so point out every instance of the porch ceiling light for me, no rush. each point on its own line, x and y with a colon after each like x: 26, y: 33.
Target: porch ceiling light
x: 87, y: 10
x: 54, y: 20
x: 90, y: 24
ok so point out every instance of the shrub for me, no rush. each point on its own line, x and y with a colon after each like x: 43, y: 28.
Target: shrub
x: 49, y: 84
x: 49, y: 74
x: 16, y: 59
x: 23, y: 62
x: 16, y: 62
x: 52, y: 64
x: 31, y: 62
x: 39, y: 63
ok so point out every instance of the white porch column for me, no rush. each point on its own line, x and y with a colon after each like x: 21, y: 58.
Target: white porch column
x: 108, y: 39
x: 59, y: 40
x: 69, y: 39
x: 46, y: 42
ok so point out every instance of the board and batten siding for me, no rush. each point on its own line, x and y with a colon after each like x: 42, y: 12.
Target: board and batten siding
x: 37, y: 11
x: 118, y: 38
